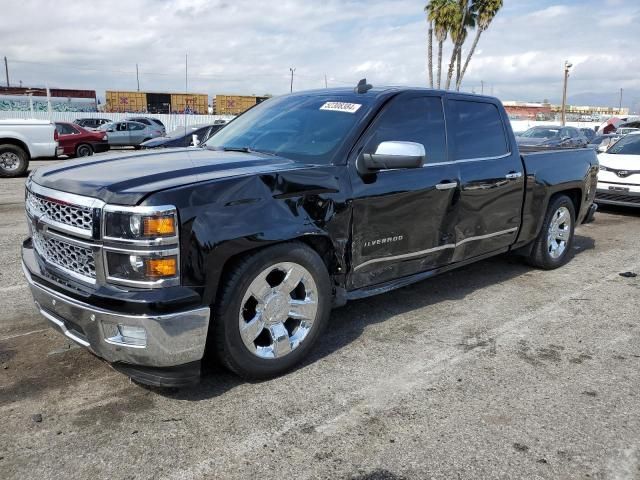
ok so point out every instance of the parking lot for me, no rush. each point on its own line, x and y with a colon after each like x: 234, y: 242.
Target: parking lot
x: 496, y: 370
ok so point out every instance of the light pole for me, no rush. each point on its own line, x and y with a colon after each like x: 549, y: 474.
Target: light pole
x: 567, y: 66
x: 291, y: 69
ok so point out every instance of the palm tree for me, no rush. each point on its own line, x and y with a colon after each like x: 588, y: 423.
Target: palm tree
x: 430, y: 47
x: 459, y: 36
x: 459, y: 21
x: 486, y: 11
x: 440, y: 14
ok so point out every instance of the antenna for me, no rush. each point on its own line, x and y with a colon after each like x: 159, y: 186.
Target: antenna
x: 363, y: 86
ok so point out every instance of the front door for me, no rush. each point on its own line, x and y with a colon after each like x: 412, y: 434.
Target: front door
x: 136, y: 133
x: 491, y: 177
x: 404, y: 219
x: 119, y: 135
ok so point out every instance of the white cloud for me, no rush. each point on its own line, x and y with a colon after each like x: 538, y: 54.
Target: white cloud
x: 244, y: 46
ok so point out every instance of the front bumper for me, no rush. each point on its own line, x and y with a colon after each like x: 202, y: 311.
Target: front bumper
x: 618, y: 195
x: 172, y: 340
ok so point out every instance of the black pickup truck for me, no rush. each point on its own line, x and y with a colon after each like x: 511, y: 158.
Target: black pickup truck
x: 159, y: 262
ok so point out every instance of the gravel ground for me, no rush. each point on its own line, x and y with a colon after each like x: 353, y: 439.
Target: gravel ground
x: 496, y: 370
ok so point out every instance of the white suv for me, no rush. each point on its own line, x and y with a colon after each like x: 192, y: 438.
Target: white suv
x: 619, y: 176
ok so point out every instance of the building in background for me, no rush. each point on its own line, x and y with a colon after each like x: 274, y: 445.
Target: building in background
x: 235, y: 104
x: 62, y: 99
x: 547, y: 111
x: 155, y: 102
x: 528, y: 111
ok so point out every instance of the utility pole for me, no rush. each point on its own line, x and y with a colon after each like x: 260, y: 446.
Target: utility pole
x: 567, y: 66
x: 6, y: 70
x: 186, y: 78
x: 620, y: 112
x: 137, y: 77
x: 482, y: 87
x: 325, y: 81
x: 291, y: 69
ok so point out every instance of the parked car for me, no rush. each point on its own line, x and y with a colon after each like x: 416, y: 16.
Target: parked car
x: 24, y: 140
x: 626, y: 130
x: 552, y: 137
x: 183, y: 137
x: 91, y: 123
x: 78, y: 142
x: 619, y: 176
x: 150, y: 122
x: 601, y: 142
x: 589, y: 133
x: 304, y: 202
x: 129, y: 133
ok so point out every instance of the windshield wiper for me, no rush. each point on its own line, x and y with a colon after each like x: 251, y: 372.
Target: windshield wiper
x: 247, y: 150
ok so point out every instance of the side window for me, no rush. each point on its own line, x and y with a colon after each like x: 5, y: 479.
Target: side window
x: 136, y: 126
x: 64, y: 129
x: 476, y: 130
x: 414, y: 119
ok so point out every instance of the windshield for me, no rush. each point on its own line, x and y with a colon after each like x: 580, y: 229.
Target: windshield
x: 106, y: 126
x: 629, y: 145
x: 537, y: 132
x: 308, y: 129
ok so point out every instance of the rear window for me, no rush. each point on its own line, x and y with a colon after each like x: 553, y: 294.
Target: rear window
x: 475, y: 130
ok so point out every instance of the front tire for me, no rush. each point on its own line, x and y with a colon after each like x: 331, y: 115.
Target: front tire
x: 273, y: 306
x: 552, y: 248
x: 13, y: 161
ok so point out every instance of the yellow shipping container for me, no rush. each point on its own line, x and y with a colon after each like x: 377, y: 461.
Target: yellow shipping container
x: 197, y: 103
x: 126, y: 102
x: 233, y: 104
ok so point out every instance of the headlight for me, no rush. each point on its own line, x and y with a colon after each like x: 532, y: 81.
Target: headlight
x: 131, y: 268
x: 141, y: 225
x: 141, y: 246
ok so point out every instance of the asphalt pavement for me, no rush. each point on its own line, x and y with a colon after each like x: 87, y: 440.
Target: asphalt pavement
x: 496, y: 370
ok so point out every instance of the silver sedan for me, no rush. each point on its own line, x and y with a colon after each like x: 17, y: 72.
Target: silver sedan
x: 129, y: 133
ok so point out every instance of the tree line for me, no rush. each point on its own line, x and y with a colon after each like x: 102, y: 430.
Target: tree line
x: 454, y: 19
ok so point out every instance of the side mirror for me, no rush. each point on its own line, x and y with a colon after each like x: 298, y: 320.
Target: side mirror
x: 110, y: 129
x: 602, y: 148
x: 394, y: 154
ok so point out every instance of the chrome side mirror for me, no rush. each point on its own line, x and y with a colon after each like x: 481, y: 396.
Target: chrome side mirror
x: 394, y: 154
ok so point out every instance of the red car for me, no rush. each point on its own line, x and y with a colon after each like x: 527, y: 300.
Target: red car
x: 78, y: 142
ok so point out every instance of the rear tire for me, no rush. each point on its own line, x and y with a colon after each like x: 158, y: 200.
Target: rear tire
x: 13, y: 161
x: 273, y: 307
x: 552, y: 248
x: 84, y: 150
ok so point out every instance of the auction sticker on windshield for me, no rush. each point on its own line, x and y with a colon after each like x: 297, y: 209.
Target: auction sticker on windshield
x: 341, y: 107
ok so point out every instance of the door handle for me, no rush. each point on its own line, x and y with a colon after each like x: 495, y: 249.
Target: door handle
x: 446, y: 185
x: 513, y: 175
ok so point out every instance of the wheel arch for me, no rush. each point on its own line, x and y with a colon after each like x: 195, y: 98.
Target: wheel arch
x: 17, y: 143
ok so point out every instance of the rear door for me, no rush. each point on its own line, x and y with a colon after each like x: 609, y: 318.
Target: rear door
x: 404, y: 219
x: 491, y: 176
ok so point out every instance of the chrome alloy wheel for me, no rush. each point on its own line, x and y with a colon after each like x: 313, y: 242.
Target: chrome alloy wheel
x: 9, y: 161
x: 278, y: 310
x: 559, y: 232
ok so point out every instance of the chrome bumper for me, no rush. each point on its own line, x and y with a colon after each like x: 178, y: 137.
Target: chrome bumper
x: 171, y: 339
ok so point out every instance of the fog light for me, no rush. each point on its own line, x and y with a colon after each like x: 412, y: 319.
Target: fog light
x: 125, y: 334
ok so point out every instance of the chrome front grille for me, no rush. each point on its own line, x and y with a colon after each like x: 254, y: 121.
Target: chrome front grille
x: 75, y: 259
x: 76, y: 216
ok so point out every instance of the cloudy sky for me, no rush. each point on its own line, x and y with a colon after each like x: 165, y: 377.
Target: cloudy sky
x: 247, y: 47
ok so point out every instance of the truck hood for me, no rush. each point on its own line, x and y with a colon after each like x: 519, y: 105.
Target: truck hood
x: 125, y: 179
